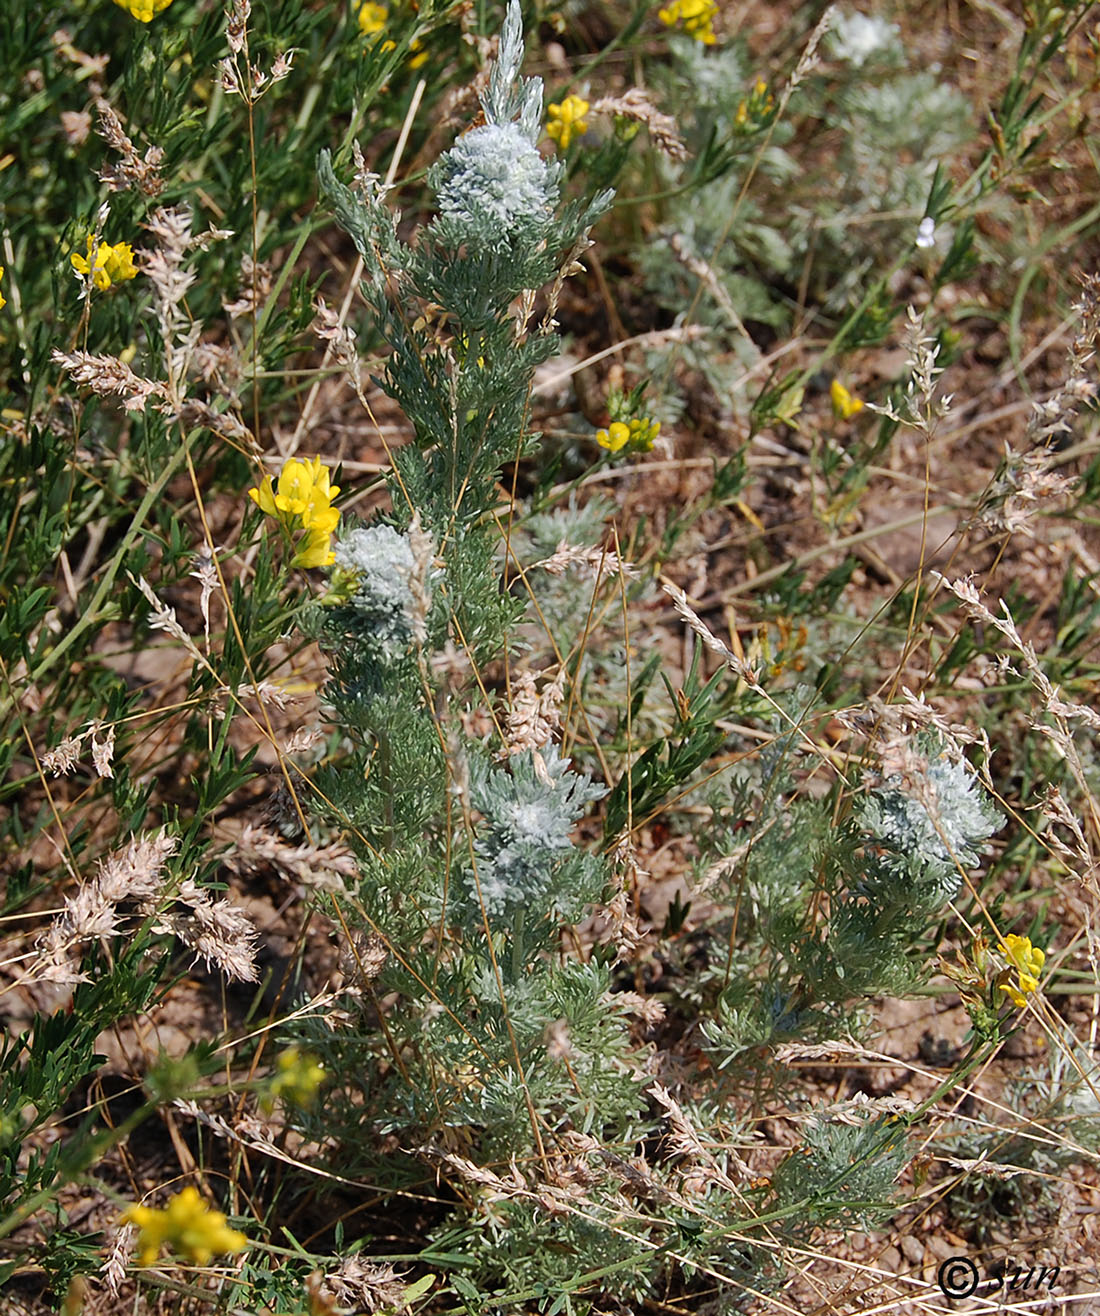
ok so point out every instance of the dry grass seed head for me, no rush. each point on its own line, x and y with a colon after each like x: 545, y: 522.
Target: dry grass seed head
x: 133, y: 170
x: 635, y: 104
x: 215, y: 930
x: 107, y: 376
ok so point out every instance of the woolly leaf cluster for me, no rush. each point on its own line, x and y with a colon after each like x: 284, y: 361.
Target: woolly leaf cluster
x: 525, y: 857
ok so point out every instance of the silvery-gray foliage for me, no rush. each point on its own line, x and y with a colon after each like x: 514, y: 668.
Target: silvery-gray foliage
x: 529, y: 819
x: 493, y: 186
x: 382, y: 560
x: 510, y: 96
x: 951, y: 822
x: 495, y: 192
x: 942, y: 821
x: 858, y: 38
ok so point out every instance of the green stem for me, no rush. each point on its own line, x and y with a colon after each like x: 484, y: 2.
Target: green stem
x: 518, y: 928
x: 91, y: 615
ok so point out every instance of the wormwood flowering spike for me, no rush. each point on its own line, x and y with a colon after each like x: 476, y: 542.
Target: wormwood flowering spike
x: 187, y: 1225
x: 493, y: 185
x: 143, y: 10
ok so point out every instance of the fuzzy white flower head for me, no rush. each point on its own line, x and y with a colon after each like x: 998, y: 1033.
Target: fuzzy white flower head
x: 383, y: 562
x: 493, y: 186
x: 926, y: 232
x: 935, y: 808
x: 856, y: 37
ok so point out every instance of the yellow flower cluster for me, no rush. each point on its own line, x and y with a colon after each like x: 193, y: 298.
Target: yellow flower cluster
x: 110, y: 264
x: 638, y: 433
x: 1027, y: 961
x: 845, y: 404
x: 143, y: 10
x: 757, y: 108
x: 566, y: 120
x: 373, y: 19
x: 302, y: 500
x: 188, y: 1225
x: 3, y: 299
x: 697, y: 16
x: 297, y: 1077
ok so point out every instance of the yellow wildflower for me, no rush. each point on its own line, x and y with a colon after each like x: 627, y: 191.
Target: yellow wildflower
x: 615, y: 437
x: 1027, y: 960
x: 143, y: 10
x: 303, y: 492
x: 757, y: 108
x: 372, y: 18
x: 639, y: 433
x: 696, y: 16
x: 120, y: 263
x: 566, y: 120
x: 188, y: 1225
x: 3, y: 299
x: 845, y: 404
x: 298, y: 1076
x: 110, y: 264
x: 643, y: 432
x: 302, y: 499
x: 314, y: 551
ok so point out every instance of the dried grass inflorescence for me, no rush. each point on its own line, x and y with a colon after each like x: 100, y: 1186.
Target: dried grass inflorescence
x: 634, y: 105
x: 133, y: 169
x: 1028, y: 482
x: 136, y: 878
x: 134, y: 885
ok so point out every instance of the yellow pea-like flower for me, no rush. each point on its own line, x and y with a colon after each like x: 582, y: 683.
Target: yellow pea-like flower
x: 615, y: 437
x: 110, y: 264
x: 302, y: 500
x: 143, y: 10
x: 188, y: 1225
x: 697, y: 17
x: 314, y: 551
x: 845, y: 404
x: 120, y: 262
x: 298, y: 1075
x: 372, y: 18
x: 638, y: 433
x: 643, y: 433
x: 1027, y: 961
x: 565, y: 120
